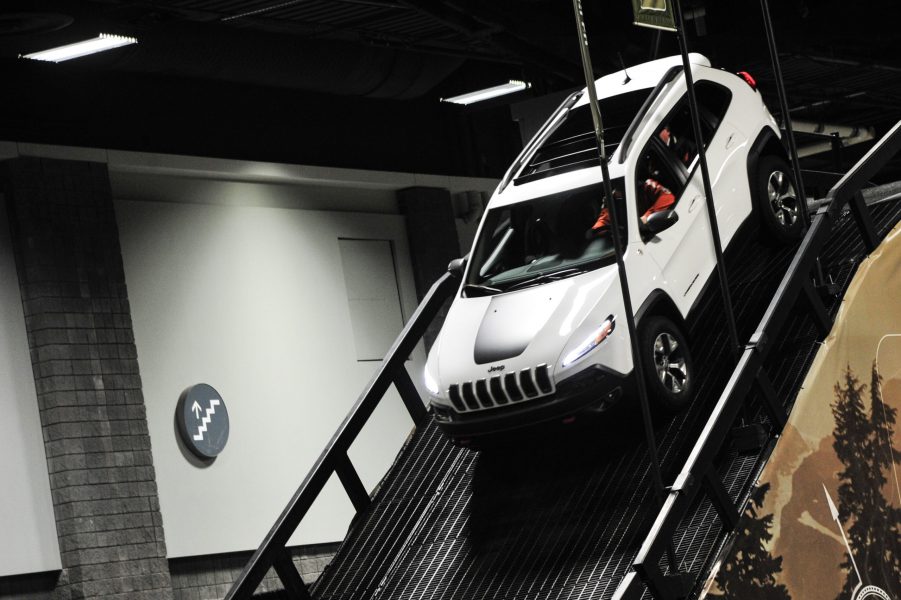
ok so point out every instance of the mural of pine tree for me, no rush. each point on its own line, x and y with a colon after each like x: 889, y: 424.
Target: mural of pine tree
x: 884, y: 560
x: 860, y: 445
x: 851, y: 436
x: 750, y: 571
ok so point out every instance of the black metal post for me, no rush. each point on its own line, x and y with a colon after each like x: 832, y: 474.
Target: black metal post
x: 789, y: 131
x: 836, y: 141
x: 705, y: 175
x: 786, y: 117
x: 638, y: 369
x: 655, y: 47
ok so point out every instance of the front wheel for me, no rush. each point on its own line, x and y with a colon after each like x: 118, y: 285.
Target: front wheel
x: 777, y: 200
x: 666, y: 360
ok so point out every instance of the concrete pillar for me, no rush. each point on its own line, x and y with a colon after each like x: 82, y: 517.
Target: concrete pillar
x: 86, y: 373
x: 432, y: 233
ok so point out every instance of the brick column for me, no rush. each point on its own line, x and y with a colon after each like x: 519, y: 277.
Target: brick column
x: 432, y: 234
x: 86, y: 374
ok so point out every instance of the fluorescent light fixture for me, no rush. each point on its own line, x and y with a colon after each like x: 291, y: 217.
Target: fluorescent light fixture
x: 510, y: 87
x: 102, y: 42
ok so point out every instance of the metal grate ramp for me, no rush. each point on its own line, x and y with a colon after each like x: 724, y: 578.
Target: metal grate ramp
x: 560, y: 515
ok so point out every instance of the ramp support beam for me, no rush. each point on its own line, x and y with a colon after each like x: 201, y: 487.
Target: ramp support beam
x: 864, y: 222
x: 723, y: 504
x: 771, y: 405
x: 817, y: 308
x: 290, y: 578
x: 354, y: 487
x: 410, y: 396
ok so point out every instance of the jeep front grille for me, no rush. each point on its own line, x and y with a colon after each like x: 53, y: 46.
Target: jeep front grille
x: 501, y: 389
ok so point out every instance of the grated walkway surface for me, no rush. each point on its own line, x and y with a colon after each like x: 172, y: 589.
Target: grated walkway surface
x: 560, y: 516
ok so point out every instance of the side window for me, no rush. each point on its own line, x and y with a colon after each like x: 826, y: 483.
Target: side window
x: 676, y: 133
x: 713, y: 100
x: 658, y: 184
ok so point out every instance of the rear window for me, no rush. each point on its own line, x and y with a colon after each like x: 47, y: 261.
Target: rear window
x: 573, y: 145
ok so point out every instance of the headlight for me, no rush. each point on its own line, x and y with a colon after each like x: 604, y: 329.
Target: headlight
x: 591, y: 342
x: 430, y: 383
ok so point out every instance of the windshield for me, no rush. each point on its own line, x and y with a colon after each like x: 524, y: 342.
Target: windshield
x: 541, y: 240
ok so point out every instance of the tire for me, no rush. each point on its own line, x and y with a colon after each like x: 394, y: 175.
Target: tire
x: 777, y: 200
x: 668, y: 368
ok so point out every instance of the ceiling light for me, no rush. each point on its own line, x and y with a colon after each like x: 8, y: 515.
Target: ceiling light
x: 102, y: 42
x: 493, y: 92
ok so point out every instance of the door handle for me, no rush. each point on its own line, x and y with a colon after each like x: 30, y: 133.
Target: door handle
x: 694, y: 203
x: 729, y: 141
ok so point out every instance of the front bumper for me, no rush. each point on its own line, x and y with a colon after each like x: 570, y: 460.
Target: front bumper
x: 591, y: 391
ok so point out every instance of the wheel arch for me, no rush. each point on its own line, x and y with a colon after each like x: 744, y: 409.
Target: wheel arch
x: 766, y: 144
x: 660, y: 304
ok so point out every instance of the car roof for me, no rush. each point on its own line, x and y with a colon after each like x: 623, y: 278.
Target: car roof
x: 643, y: 76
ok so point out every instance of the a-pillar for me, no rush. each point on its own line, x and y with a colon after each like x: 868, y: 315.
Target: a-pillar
x: 86, y: 374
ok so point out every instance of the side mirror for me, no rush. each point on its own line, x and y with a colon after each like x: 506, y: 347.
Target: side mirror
x: 456, y: 267
x: 661, y: 221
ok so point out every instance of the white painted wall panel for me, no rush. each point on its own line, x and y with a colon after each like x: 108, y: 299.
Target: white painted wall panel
x: 28, y: 542
x: 372, y: 295
x: 254, y: 302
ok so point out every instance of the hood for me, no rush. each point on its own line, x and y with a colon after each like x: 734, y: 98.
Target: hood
x: 522, y: 328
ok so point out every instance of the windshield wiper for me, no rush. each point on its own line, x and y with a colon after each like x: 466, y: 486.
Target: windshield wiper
x: 474, y: 290
x: 545, y: 278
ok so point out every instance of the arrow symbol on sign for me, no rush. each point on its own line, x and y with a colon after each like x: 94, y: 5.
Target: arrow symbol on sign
x: 196, y: 409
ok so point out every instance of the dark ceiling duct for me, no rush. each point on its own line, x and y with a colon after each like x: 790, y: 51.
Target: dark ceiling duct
x: 239, y: 55
x: 285, y: 61
x: 29, y: 23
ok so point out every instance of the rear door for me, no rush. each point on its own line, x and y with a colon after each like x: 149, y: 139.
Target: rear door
x: 685, y: 252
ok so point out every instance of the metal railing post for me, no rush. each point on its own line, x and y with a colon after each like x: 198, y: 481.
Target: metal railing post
x: 708, y: 188
x: 783, y: 104
x: 615, y: 220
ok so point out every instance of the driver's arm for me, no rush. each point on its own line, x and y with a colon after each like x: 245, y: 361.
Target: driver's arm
x: 663, y: 198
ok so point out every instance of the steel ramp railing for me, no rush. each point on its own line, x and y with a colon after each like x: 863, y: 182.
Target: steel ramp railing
x: 273, y: 552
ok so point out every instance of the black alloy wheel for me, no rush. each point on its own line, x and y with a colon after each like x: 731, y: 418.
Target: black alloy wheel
x: 668, y: 368
x: 777, y: 200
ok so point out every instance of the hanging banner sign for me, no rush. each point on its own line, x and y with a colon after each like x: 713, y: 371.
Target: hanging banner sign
x: 657, y: 14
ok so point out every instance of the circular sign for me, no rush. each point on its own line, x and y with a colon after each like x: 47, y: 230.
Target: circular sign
x: 202, y: 420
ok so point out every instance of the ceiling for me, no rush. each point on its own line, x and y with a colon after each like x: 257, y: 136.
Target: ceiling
x: 357, y: 83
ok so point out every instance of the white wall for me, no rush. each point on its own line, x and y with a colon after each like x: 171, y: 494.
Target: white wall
x: 28, y: 541
x: 235, y: 279
x: 253, y: 301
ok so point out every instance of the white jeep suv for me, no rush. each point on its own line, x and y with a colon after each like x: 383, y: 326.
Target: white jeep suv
x: 537, y: 332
